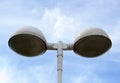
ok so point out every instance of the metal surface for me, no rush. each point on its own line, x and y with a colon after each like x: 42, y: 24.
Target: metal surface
x: 28, y: 41
x: 53, y: 46
x: 92, y: 43
x: 59, y: 61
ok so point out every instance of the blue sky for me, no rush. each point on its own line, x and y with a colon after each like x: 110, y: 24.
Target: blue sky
x: 59, y: 20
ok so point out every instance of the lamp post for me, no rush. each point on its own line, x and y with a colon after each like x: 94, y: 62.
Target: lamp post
x: 30, y: 41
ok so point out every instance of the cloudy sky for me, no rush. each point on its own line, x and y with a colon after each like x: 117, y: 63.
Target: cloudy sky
x: 59, y: 20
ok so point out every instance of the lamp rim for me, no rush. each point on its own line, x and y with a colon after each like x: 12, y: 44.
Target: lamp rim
x: 34, y: 36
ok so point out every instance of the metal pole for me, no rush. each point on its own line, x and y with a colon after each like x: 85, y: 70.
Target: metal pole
x: 59, y: 61
x: 60, y: 46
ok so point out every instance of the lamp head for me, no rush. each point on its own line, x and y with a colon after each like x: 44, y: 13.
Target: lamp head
x: 28, y: 41
x: 92, y: 43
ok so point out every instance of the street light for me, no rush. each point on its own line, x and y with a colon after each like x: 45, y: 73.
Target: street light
x: 30, y: 41
x: 92, y: 43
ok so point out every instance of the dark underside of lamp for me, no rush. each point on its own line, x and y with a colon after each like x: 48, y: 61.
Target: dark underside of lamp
x: 92, y: 46
x: 27, y: 45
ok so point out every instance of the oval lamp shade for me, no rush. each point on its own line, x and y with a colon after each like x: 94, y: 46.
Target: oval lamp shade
x: 28, y: 41
x: 92, y: 43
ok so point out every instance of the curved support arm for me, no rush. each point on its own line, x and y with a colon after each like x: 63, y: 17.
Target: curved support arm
x: 53, y: 46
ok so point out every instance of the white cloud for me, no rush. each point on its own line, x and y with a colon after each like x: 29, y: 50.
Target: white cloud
x: 115, y: 33
x: 87, y: 78
x: 60, y: 26
x: 5, y: 71
x: 56, y: 25
x: 42, y: 74
x: 63, y: 27
x: 35, y: 12
x: 11, y: 73
x: 88, y: 75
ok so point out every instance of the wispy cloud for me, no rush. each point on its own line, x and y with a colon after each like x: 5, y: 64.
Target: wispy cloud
x: 9, y: 73
x: 87, y: 78
x: 61, y: 25
x: 62, y: 22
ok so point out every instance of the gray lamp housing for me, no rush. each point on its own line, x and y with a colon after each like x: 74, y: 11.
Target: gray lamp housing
x: 28, y: 41
x: 92, y: 43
